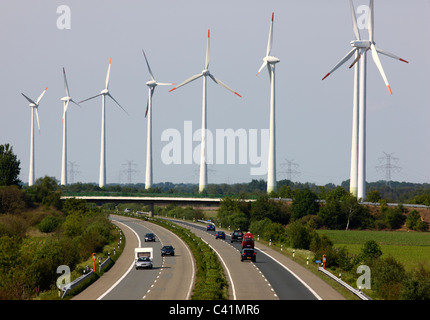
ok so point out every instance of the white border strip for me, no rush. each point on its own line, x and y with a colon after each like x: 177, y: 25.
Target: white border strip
x: 296, y: 276
x: 129, y: 269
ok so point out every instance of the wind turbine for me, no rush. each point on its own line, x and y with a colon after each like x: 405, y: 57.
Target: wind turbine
x: 205, y: 73
x: 151, y: 84
x: 34, y: 107
x: 105, y: 92
x: 66, y: 101
x: 359, y: 49
x: 270, y: 62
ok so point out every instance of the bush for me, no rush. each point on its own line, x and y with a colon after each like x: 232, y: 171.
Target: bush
x: 370, y: 251
x: 299, y: 236
x: 417, y: 284
x: 394, y: 217
x: 414, y: 222
x: 12, y: 199
x: 49, y: 224
x: 387, y: 279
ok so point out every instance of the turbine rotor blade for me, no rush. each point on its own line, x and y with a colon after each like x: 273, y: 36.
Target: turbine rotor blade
x: 65, y: 110
x: 28, y: 99
x: 75, y: 103
x: 66, y: 86
x: 147, y: 101
x: 371, y: 22
x: 341, y: 62
x: 108, y: 74
x: 196, y: 76
x: 379, y: 65
x: 165, y: 84
x: 262, y: 66
x: 208, y: 55
x: 390, y: 54
x: 354, y: 21
x: 91, y: 98
x: 117, y: 102
x: 41, y: 96
x: 270, y: 41
x: 37, y: 117
x: 149, y: 68
x: 217, y: 81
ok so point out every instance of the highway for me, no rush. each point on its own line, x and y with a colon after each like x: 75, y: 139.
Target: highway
x: 272, y: 277
x: 171, y: 278
x: 285, y: 279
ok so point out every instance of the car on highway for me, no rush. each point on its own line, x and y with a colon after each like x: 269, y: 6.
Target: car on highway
x: 220, y: 235
x: 248, y: 240
x: 167, y: 251
x: 210, y: 227
x: 248, y: 254
x: 143, y: 263
x: 149, y: 237
x: 237, y: 235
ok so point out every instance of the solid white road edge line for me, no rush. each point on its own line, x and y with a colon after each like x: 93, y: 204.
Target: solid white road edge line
x: 296, y: 276
x: 225, y: 266
x: 129, y: 269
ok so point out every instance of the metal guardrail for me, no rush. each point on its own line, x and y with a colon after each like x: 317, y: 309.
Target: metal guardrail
x: 75, y: 282
x: 357, y: 292
x: 104, y: 263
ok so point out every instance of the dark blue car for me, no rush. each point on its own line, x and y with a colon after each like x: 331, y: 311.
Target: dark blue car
x: 167, y: 251
x: 211, y: 227
x: 220, y: 235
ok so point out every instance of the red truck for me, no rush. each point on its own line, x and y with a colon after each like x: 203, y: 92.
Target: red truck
x: 248, y: 240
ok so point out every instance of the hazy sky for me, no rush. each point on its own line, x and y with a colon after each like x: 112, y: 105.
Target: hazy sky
x: 313, y: 117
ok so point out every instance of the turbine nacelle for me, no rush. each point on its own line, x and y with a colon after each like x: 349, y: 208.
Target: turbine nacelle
x: 361, y: 44
x: 65, y: 99
x: 151, y: 83
x: 205, y: 72
x: 271, y: 59
x: 104, y: 92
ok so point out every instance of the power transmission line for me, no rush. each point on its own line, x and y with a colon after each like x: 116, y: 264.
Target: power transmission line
x: 389, y: 166
x: 130, y: 170
x: 291, y: 169
x: 73, y: 170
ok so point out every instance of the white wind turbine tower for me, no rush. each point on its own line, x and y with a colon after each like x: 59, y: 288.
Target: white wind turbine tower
x: 360, y: 48
x: 270, y: 62
x: 151, y: 84
x: 66, y: 101
x: 203, y: 165
x: 105, y: 92
x: 34, y: 107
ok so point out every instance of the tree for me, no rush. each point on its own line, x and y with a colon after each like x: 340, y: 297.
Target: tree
x: 9, y: 166
x: 304, y: 203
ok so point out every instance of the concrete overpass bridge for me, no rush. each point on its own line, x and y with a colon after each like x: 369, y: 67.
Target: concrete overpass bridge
x: 154, y: 200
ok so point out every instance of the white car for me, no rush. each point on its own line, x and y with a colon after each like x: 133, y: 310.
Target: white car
x: 143, y: 262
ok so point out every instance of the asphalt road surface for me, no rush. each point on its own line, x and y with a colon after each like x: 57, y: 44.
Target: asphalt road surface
x: 285, y: 279
x: 171, y: 278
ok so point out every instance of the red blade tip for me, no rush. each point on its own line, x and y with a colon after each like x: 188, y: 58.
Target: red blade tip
x: 404, y: 60
x: 238, y: 94
x: 209, y: 33
x: 172, y: 89
x: 273, y: 15
x: 326, y: 75
x: 389, y: 89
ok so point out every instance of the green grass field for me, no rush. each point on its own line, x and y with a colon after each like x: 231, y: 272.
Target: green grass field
x: 409, y: 248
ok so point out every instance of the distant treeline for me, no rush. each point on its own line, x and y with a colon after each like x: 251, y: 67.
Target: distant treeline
x: 396, y: 192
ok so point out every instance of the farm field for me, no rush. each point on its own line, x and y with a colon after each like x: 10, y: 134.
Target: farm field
x: 409, y: 248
